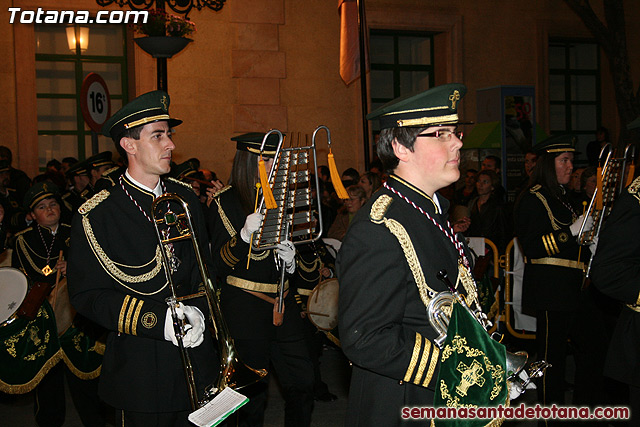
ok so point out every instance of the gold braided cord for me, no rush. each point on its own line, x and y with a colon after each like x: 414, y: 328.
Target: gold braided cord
x: 313, y: 266
x: 23, y: 249
x: 466, y: 278
x: 259, y: 256
x: 554, y: 222
x: 93, y: 202
x: 111, y: 267
x: 225, y: 220
x: 412, y: 258
x: 379, y: 208
x: 423, y: 361
x: 435, y: 356
x: 123, y: 310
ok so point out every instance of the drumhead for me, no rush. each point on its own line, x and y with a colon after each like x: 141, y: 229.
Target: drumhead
x: 13, y: 289
x: 322, y: 306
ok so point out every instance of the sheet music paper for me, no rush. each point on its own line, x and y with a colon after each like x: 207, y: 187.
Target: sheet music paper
x: 218, y: 409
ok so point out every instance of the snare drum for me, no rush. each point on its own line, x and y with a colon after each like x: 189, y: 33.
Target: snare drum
x: 13, y: 289
x: 322, y: 306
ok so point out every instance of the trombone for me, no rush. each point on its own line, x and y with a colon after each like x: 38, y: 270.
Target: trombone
x: 233, y: 373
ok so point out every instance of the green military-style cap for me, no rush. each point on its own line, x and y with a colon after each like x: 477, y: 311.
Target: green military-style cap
x: 252, y: 142
x: 183, y: 170
x: 557, y: 144
x: 433, y: 107
x: 78, y: 169
x: 38, y: 192
x: 147, y: 108
x: 99, y: 160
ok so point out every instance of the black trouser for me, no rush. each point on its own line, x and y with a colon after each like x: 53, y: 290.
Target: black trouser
x: 294, y: 370
x: 315, y: 341
x: 49, y: 405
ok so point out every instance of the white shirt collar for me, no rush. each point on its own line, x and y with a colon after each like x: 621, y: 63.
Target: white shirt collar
x: 157, y: 191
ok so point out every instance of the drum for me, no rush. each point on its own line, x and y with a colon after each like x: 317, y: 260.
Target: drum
x: 13, y: 289
x: 322, y: 306
x: 64, y: 312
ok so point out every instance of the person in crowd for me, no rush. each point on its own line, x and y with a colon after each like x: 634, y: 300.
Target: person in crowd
x: 595, y: 147
x: 357, y: 198
x: 588, y: 182
x: 546, y: 226
x: 118, y: 279
x: 80, y: 190
x: 390, y: 257
x: 41, y: 253
x: 250, y: 282
x: 350, y: 176
x: 18, y: 179
x: 487, y: 212
x: 66, y: 163
x: 371, y: 182
x: 14, y: 217
x: 324, y: 174
x: 466, y: 193
x: 493, y: 163
x: 96, y: 165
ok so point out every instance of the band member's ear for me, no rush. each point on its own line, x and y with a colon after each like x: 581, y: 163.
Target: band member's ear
x: 128, y: 145
x: 400, y: 150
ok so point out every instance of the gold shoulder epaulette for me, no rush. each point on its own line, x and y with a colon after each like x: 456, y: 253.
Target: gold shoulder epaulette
x: 634, y: 187
x: 177, y: 181
x: 380, y: 207
x: 108, y: 171
x: 93, y: 202
x: 222, y: 190
x: 535, y: 188
x: 23, y: 231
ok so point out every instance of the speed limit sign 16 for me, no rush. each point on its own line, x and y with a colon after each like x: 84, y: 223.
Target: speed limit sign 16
x: 95, y: 101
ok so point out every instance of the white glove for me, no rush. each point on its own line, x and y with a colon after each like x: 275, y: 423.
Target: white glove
x: 194, y: 330
x: 195, y: 333
x: 575, y: 227
x: 516, y: 390
x: 287, y: 253
x: 251, y: 224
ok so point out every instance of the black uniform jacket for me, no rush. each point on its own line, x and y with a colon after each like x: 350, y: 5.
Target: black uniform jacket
x: 248, y: 316
x: 615, y: 270
x: 552, y: 274
x: 30, y: 254
x: 387, y: 267
x: 116, y: 278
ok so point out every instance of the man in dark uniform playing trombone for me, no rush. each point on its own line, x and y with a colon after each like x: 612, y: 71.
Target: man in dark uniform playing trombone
x: 117, y: 277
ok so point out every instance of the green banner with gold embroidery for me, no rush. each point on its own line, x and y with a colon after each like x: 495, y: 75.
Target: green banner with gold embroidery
x: 82, y: 353
x: 28, y: 350
x: 472, y: 370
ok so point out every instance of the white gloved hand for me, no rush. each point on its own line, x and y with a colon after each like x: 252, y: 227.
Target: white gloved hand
x: 194, y: 330
x: 575, y: 227
x: 286, y: 251
x: 169, y: 331
x: 194, y: 335
x: 251, y: 224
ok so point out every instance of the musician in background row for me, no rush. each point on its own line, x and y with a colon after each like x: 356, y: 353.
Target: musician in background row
x: 117, y: 276
x: 391, y: 255
x: 546, y: 226
x: 41, y: 252
x: 250, y: 287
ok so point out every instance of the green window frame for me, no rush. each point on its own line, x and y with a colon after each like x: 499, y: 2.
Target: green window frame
x: 574, y: 89
x: 81, y: 64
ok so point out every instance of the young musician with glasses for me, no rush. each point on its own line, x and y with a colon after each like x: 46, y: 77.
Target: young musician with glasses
x: 390, y: 257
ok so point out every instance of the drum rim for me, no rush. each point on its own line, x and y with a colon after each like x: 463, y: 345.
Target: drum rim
x: 14, y: 315
x: 313, y: 292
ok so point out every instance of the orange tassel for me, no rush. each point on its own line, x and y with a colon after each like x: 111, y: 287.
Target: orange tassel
x: 269, y: 200
x: 630, y: 174
x: 599, y: 203
x: 335, y: 178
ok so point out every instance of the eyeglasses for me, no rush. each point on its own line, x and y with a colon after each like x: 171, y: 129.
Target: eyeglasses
x: 443, y: 135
